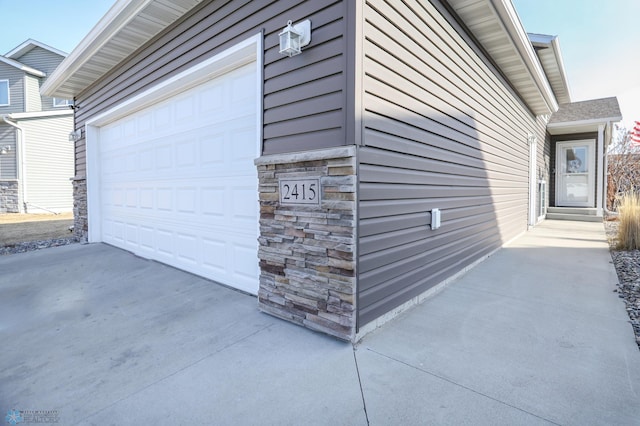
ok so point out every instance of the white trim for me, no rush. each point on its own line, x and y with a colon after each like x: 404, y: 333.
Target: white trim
x: 590, y: 178
x: 245, y: 52
x: 22, y: 48
x: 124, y: 16
x: 543, y: 199
x: 533, y: 178
x: 556, y: 128
x: 8, y: 92
x: 234, y: 57
x: 511, y: 21
x: 601, y: 174
x: 22, y: 67
x: 65, y: 104
x: 37, y: 114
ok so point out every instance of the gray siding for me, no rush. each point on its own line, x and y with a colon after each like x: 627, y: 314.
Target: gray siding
x: 441, y: 130
x: 46, y: 61
x: 8, y: 161
x: 304, y: 96
x: 49, y: 158
x: 33, y: 100
x: 16, y: 88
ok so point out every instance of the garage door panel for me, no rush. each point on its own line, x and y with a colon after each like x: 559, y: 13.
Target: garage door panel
x: 178, y: 183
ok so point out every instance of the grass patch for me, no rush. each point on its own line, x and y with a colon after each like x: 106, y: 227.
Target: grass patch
x: 629, y: 222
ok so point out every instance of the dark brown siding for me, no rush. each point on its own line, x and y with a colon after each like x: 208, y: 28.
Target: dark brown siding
x: 441, y: 130
x: 304, y: 100
x: 566, y: 138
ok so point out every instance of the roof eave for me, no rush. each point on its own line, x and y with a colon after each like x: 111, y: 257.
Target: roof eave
x: 22, y: 67
x: 64, y: 81
x: 30, y: 44
x: 511, y: 20
x: 534, y: 89
x: 562, y: 93
x: 580, y: 126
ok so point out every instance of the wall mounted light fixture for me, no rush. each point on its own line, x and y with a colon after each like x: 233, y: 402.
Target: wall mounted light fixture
x: 75, y: 135
x: 5, y: 150
x: 294, y: 37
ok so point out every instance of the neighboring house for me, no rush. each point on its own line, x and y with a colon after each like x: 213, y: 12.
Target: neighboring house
x: 408, y: 141
x: 36, y: 157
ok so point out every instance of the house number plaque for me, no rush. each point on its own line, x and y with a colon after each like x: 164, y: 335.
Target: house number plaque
x: 299, y: 191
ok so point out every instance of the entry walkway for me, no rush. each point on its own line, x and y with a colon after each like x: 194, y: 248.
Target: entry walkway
x: 534, y: 335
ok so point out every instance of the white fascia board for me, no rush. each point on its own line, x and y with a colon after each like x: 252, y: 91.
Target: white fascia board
x: 22, y: 67
x: 553, y: 42
x: 37, y: 114
x: 581, y: 126
x: 512, y: 23
x: 28, y: 45
x: 117, y: 17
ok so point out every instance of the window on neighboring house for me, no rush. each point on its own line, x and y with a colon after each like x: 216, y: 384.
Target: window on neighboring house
x: 61, y: 102
x: 4, y: 92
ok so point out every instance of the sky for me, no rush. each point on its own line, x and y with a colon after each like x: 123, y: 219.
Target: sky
x: 597, y: 38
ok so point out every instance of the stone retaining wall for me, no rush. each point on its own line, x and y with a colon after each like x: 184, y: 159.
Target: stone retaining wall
x: 9, y: 196
x: 307, y: 252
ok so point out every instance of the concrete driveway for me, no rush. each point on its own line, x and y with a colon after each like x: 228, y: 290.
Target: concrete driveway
x: 533, y: 335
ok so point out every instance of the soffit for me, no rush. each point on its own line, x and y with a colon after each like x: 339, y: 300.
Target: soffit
x: 127, y: 26
x: 548, y: 50
x: 496, y: 26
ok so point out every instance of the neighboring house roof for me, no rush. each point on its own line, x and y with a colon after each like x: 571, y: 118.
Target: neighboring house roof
x: 22, y: 67
x: 547, y: 48
x: 126, y: 26
x: 30, y: 44
x: 584, y: 115
x: 495, y: 24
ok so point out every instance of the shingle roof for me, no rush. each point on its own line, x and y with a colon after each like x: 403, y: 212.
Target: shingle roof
x: 606, y: 109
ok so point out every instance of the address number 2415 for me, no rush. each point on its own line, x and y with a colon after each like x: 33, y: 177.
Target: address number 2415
x: 299, y: 191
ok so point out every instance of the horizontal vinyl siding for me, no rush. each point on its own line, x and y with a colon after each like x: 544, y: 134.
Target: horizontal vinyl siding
x: 441, y: 130
x: 49, y: 159
x: 33, y: 100
x: 16, y: 88
x: 304, y: 101
x: 8, y: 161
x: 45, y: 61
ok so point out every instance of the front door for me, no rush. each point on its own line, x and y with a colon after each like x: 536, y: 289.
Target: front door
x: 575, y: 173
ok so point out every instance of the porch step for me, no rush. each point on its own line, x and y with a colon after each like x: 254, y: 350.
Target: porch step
x: 573, y: 213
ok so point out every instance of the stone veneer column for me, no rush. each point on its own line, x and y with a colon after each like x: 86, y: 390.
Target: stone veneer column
x: 9, y: 196
x: 80, y: 221
x: 308, y: 252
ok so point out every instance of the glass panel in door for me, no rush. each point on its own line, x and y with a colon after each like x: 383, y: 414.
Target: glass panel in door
x: 575, y: 181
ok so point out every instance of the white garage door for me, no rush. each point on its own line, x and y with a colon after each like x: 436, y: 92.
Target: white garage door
x: 178, y: 183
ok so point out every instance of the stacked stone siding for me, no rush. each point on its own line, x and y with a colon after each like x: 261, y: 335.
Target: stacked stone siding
x: 308, y: 252
x: 9, y: 196
x: 80, y: 221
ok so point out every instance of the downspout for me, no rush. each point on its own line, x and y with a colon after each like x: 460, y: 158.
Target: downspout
x: 20, y: 163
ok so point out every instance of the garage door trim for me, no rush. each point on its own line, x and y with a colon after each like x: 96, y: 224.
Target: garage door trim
x: 241, y: 54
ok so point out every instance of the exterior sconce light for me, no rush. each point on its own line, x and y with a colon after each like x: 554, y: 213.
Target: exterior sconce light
x: 75, y: 135
x: 294, y: 37
x: 5, y: 150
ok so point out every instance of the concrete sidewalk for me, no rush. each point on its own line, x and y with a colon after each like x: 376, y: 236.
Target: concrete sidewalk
x: 533, y: 335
